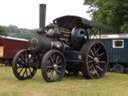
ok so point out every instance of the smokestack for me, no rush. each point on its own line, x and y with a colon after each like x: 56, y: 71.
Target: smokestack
x: 42, y: 16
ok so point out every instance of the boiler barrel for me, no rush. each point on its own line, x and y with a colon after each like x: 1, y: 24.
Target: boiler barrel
x: 39, y: 43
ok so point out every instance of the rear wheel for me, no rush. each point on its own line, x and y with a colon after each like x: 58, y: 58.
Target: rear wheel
x: 53, y: 66
x: 95, y: 60
x: 23, y: 65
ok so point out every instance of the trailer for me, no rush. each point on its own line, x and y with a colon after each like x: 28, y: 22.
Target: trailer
x: 9, y: 46
x: 117, y: 47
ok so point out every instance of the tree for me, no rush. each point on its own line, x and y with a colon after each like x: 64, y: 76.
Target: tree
x: 2, y: 31
x: 110, y: 12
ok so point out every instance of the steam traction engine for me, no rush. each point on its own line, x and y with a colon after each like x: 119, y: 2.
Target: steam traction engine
x: 63, y: 46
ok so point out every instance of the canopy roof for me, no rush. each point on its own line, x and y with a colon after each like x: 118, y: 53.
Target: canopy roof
x: 70, y: 22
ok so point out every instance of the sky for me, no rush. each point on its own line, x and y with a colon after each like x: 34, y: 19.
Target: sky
x: 25, y: 13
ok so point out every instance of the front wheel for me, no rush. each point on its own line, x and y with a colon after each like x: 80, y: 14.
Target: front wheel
x: 95, y: 60
x: 23, y: 65
x: 53, y: 66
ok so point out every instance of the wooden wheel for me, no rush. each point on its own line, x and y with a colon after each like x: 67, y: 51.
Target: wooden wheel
x: 95, y: 60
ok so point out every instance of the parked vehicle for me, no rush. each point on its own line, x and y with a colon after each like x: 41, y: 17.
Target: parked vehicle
x: 61, y: 46
x: 117, y: 47
x: 9, y: 46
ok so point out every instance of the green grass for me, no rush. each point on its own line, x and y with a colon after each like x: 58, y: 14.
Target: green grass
x: 113, y: 84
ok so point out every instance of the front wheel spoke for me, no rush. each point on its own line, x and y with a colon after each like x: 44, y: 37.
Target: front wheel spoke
x: 26, y: 55
x: 49, y: 66
x: 20, y: 62
x: 59, y: 61
x: 58, y: 71
x: 30, y: 70
x: 52, y: 74
x: 51, y: 59
x: 55, y: 76
x: 59, y: 66
x: 21, y: 57
x: 20, y: 70
x: 49, y: 73
x: 18, y: 66
x: 24, y: 72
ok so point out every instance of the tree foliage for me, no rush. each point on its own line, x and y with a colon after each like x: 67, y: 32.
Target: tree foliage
x: 2, y: 31
x: 110, y: 12
x: 14, y: 31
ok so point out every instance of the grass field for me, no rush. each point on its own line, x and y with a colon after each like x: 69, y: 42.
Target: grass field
x: 113, y: 84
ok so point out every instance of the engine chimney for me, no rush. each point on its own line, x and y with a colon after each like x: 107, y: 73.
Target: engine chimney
x: 42, y: 16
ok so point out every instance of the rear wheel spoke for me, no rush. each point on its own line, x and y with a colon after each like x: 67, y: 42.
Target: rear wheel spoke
x: 98, y: 49
x: 92, y: 52
x: 90, y: 61
x: 98, y: 67
x: 101, y: 54
x: 91, y: 66
x: 102, y: 62
x: 90, y: 56
x: 96, y: 72
x: 95, y: 52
